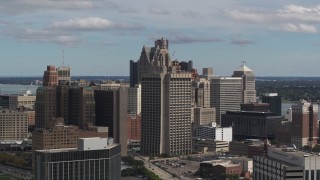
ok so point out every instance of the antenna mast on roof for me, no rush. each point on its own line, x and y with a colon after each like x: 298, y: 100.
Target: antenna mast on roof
x: 63, y: 57
x: 243, y: 62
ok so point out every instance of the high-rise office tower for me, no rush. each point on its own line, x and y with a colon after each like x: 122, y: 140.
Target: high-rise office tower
x: 45, y: 106
x: 304, y: 124
x: 226, y: 95
x: 134, y: 99
x: 274, y: 102
x: 81, y: 106
x: 165, y: 102
x: 64, y: 74
x: 50, y: 76
x: 62, y: 98
x: 207, y: 72
x: 203, y: 116
x: 186, y: 66
x: 111, y: 111
x: 201, y: 93
x: 248, y: 83
x: 148, y: 63
x: 204, y: 87
x: 133, y: 73
x: 166, y: 114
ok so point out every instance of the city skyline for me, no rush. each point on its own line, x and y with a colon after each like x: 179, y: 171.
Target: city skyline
x: 100, y: 37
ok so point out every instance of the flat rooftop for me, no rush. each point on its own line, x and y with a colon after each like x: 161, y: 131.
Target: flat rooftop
x: 296, y: 152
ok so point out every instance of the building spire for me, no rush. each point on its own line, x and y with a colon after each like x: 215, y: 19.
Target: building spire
x: 63, y: 57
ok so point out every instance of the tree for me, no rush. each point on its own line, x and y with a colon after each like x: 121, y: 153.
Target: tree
x: 316, y: 148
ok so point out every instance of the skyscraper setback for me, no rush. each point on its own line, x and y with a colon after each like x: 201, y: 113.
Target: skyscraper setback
x: 50, y: 76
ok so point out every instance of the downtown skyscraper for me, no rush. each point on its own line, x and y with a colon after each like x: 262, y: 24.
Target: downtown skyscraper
x: 165, y: 102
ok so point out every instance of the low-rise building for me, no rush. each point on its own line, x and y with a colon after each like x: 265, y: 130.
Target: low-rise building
x: 219, y: 169
x: 251, y: 124
x: 213, y: 132
x: 241, y: 147
x: 209, y: 145
x: 287, y: 163
x: 13, y: 125
x: 94, y: 158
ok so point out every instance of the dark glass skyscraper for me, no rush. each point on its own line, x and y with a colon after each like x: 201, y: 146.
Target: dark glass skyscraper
x: 274, y: 102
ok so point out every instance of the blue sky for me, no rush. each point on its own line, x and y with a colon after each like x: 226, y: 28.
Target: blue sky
x: 98, y: 37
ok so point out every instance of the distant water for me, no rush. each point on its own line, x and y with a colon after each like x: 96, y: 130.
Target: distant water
x: 286, y: 106
x: 17, y: 89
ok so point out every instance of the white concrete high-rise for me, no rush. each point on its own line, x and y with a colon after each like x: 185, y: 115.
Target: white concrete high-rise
x: 248, y: 83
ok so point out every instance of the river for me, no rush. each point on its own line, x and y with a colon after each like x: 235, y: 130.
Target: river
x: 17, y: 88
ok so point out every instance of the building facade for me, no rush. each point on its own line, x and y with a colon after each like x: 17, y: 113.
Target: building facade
x: 248, y: 83
x: 209, y: 145
x: 134, y: 99
x: 274, y: 102
x: 251, y: 124
x: 305, y: 124
x: 134, y: 127
x: 13, y: 125
x: 45, y: 106
x: 95, y: 158
x: 287, y: 163
x: 64, y: 74
x: 203, y: 116
x: 213, y: 132
x: 112, y: 111
x: 81, y: 110
x: 50, y: 76
x: 225, y: 95
x: 166, y: 114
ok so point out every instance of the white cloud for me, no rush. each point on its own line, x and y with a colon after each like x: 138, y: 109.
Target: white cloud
x: 300, y: 13
x: 33, y: 35
x: 298, y: 28
x: 159, y: 11
x: 249, y: 16
x: 90, y: 23
x: 291, y: 18
x: 93, y: 23
x: 20, y: 6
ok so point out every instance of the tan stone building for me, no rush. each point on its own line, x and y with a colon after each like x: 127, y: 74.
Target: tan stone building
x: 13, y: 125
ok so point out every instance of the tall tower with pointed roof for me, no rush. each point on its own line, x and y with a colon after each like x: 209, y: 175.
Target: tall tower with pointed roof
x: 248, y: 83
